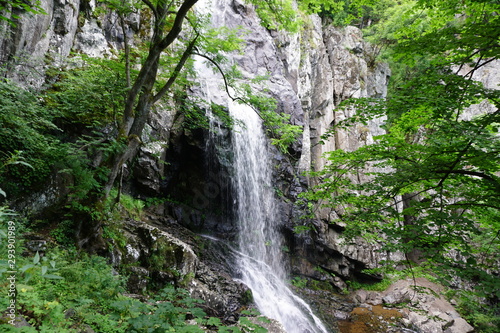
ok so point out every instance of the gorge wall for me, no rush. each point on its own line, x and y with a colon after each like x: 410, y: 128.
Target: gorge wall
x: 310, y: 74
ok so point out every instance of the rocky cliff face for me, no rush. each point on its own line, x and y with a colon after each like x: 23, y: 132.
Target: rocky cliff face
x: 334, y: 64
x: 310, y: 74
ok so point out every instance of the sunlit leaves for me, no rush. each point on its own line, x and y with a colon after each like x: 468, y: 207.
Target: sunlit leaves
x: 457, y: 31
x: 221, y: 39
x: 92, y: 95
x: 282, y: 133
x: 278, y: 14
x: 27, y: 144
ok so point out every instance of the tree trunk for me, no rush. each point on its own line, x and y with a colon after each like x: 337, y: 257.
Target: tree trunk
x: 135, y: 115
x: 139, y: 100
x: 415, y: 254
x: 134, y: 126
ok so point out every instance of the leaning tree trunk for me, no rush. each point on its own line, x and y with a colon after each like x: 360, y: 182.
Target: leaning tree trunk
x: 132, y: 130
x: 135, y: 115
x: 139, y: 101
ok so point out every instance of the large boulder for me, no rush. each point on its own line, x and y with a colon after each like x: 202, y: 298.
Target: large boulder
x: 163, y: 252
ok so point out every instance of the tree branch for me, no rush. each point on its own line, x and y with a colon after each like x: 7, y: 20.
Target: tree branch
x: 152, y: 7
x: 185, y: 56
x: 487, y: 177
x: 177, y: 26
x: 226, y: 83
x: 151, y: 62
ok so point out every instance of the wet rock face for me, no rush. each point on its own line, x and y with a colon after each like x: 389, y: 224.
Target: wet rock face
x: 197, y: 183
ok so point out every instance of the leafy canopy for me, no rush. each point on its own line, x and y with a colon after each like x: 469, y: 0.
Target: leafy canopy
x: 430, y: 186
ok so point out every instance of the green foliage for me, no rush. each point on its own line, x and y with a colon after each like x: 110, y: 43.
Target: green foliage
x: 14, y: 158
x: 64, y: 233
x: 169, y: 313
x: 464, y: 30
x: 213, y: 40
x: 11, y: 10
x: 32, y: 147
x: 285, y: 15
x: 282, y: 133
x: 28, y: 148
x: 379, y: 286
x: 278, y: 14
x: 43, y: 267
x: 428, y: 187
x: 133, y: 207
x: 484, y: 317
x: 47, y: 293
x: 360, y: 13
x: 419, y: 33
x: 122, y: 7
x: 299, y: 282
x: 445, y: 180
x: 91, y: 95
x: 249, y: 326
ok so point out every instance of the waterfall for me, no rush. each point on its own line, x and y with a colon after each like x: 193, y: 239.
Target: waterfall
x: 261, y: 244
x: 260, y: 261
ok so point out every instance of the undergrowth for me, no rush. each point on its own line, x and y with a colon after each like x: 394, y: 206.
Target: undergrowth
x: 63, y: 291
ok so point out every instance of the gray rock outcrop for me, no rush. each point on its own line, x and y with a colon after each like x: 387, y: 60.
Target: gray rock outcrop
x: 37, y: 40
x: 423, y: 306
x: 158, y: 256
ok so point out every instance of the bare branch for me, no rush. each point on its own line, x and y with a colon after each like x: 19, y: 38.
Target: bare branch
x: 226, y: 83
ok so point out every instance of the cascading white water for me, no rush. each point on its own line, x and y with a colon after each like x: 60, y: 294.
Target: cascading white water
x: 261, y: 263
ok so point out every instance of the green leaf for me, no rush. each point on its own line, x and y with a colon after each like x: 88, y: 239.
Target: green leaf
x: 214, y: 321
x: 23, y: 163
x: 36, y: 258
x: 26, y: 267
